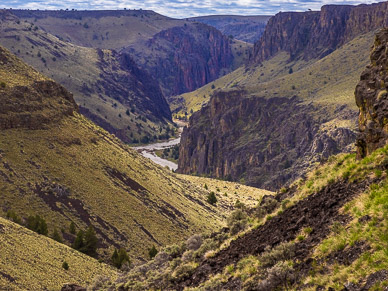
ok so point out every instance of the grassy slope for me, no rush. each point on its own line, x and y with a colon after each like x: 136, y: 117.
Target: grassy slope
x: 34, y: 262
x: 253, y: 270
x: 228, y: 193
x: 329, y: 81
x: 371, y: 202
x: 128, y: 199
x: 108, y: 32
x: 76, y: 68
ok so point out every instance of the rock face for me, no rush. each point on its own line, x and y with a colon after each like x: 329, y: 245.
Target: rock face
x: 245, y: 28
x: 372, y: 99
x: 316, y: 34
x: 185, y: 58
x: 262, y: 142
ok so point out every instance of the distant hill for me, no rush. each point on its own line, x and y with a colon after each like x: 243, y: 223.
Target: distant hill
x: 244, y: 28
x: 149, y: 38
x: 109, y: 87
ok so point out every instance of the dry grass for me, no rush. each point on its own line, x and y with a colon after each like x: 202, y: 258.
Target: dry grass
x: 29, y: 261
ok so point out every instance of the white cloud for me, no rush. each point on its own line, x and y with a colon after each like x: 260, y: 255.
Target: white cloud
x: 184, y: 8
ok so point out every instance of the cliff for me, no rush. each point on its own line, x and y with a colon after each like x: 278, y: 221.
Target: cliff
x: 261, y: 142
x: 310, y: 35
x: 372, y: 99
x: 244, y: 28
x: 184, y: 58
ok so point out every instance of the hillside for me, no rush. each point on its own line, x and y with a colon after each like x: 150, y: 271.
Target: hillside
x: 34, y: 262
x: 185, y: 57
x: 109, y: 88
x: 203, y: 55
x: 327, y: 231
x: 259, y: 114
x: 245, y: 28
x: 105, y: 29
x: 66, y: 169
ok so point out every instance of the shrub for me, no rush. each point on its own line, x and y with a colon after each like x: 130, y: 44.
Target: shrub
x: 120, y: 257
x: 11, y: 215
x: 72, y: 228
x: 211, y: 198
x: 65, y: 265
x: 194, y: 242
x: 282, y: 252
x: 3, y: 84
x: 37, y: 224
x: 152, y: 252
x: 56, y: 236
x: 237, y: 221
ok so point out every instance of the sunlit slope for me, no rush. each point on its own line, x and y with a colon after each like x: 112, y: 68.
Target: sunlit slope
x: 108, y: 88
x: 29, y: 261
x: 67, y: 169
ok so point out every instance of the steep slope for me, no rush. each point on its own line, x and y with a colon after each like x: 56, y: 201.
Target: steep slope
x: 271, y: 120
x: 29, y: 261
x: 371, y: 98
x: 105, y: 29
x: 66, y: 169
x: 325, y: 232
x: 184, y: 57
x: 317, y: 33
x: 244, y: 28
x: 110, y: 88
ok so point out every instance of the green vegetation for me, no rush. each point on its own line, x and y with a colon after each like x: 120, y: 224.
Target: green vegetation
x: 119, y: 258
x: 211, y: 198
x: 152, y: 252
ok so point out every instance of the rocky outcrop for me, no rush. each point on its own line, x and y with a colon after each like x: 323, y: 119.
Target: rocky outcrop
x: 258, y: 141
x: 184, y: 58
x: 316, y: 34
x: 34, y: 106
x: 372, y: 99
x: 34, y: 103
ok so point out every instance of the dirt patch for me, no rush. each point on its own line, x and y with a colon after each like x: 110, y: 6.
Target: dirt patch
x: 8, y: 277
x: 115, y: 174
x: 318, y: 211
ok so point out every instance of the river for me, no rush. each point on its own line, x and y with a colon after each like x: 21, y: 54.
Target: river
x: 148, y: 150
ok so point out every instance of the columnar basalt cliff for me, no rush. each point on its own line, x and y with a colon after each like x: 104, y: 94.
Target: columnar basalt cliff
x: 372, y: 99
x: 184, y: 58
x: 262, y: 142
x: 316, y: 34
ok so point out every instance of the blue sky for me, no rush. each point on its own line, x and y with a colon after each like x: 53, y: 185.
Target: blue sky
x: 183, y: 8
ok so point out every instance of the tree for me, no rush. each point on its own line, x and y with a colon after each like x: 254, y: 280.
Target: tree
x: 78, y: 243
x: 119, y: 258
x: 152, y: 252
x: 56, y: 236
x: 72, y: 228
x: 91, y: 242
x: 211, y: 198
x: 37, y: 224
x: 65, y: 265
